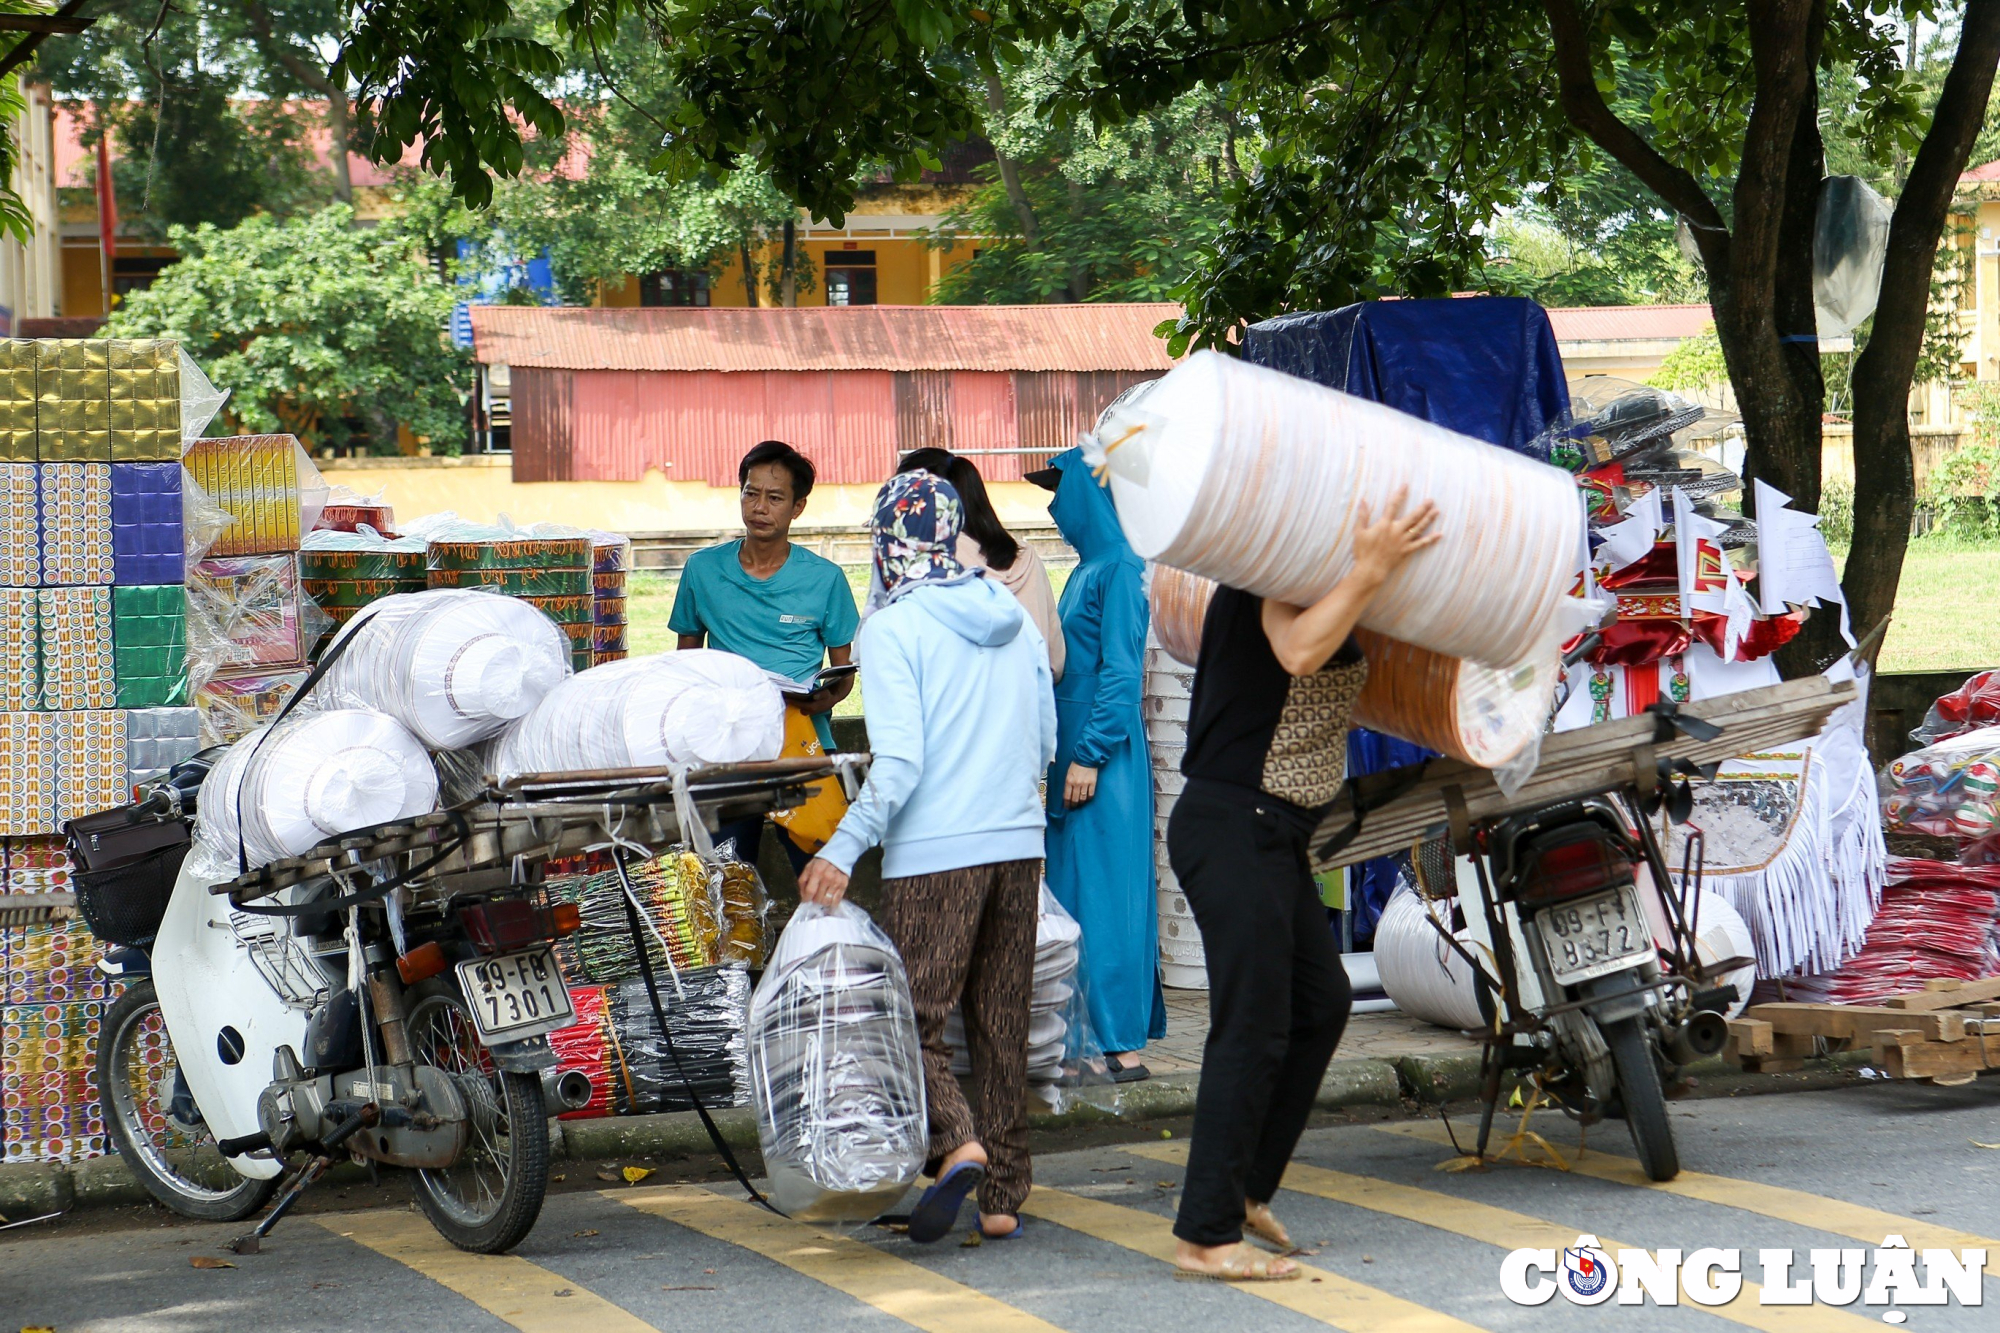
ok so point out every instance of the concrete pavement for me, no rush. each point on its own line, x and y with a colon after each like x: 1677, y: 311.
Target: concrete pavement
x: 1393, y: 1242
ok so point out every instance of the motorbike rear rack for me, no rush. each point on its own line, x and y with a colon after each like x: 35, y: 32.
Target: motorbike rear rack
x: 542, y: 815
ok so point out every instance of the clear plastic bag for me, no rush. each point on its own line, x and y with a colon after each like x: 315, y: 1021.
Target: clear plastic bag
x: 284, y: 789
x: 231, y: 707
x: 1947, y: 790
x: 1972, y: 705
x: 1615, y: 418
x: 203, y: 521
x: 697, y: 706
x: 836, y: 1071
x: 1066, y: 1062
x: 683, y: 926
x: 453, y: 665
x: 1850, y: 245
x: 200, y: 400
x: 745, y: 908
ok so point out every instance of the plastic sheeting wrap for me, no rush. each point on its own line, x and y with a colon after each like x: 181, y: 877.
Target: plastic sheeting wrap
x: 835, y: 1069
x: 696, y: 706
x: 1425, y: 976
x: 1721, y: 932
x: 454, y: 666
x: 265, y: 483
x: 1484, y: 715
x: 1850, y: 246
x: 1947, y: 790
x: 1254, y: 478
x: 312, y: 777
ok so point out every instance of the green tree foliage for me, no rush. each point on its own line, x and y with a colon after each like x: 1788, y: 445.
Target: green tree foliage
x: 314, y: 325
x: 170, y: 85
x: 1078, y: 212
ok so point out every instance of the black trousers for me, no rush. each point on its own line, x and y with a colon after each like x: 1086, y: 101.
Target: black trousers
x: 1278, y: 999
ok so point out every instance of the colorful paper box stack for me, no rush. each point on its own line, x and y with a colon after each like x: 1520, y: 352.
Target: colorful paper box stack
x: 250, y: 626
x: 550, y: 573
x: 610, y: 558
x: 350, y: 571
x: 91, y: 553
x: 91, y: 546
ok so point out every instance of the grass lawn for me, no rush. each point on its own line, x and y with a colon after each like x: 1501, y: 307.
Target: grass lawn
x: 1947, y: 610
x: 1948, y: 615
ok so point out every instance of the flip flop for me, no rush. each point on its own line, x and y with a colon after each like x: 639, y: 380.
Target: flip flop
x: 1020, y: 1229
x: 936, y: 1212
x: 1243, y: 1266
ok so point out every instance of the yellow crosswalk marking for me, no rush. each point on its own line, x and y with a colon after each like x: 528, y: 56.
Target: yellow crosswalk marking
x: 1331, y: 1299
x: 897, y: 1287
x: 508, y: 1288
x: 1868, y: 1225
x: 1510, y: 1230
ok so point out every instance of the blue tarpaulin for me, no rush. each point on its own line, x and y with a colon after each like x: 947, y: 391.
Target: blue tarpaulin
x: 1485, y: 366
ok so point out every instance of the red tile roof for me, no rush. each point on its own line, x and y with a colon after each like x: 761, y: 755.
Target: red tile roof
x: 882, y: 337
x: 1633, y: 323
x: 1989, y: 172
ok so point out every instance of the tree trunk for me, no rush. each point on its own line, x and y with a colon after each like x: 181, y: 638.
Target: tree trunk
x: 308, y: 74
x: 1884, y: 479
x: 788, y: 266
x: 750, y: 283
x: 1080, y: 281
x: 1010, y: 171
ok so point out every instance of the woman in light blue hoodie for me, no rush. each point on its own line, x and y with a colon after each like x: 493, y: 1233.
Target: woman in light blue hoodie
x: 962, y: 723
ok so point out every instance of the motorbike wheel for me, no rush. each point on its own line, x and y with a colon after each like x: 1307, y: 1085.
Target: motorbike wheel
x: 1645, y: 1103
x: 136, y: 1069
x: 489, y: 1199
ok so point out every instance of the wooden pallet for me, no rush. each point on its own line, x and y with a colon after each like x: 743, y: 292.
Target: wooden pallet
x: 1947, y: 1033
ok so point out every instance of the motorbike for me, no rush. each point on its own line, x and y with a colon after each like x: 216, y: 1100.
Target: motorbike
x: 386, y: 997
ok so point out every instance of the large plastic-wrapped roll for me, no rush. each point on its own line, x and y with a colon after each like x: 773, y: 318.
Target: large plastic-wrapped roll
x: 1425, y: 976
x: 1721, y: 933
x: 1483, y: 715
x: 312, y: 777
x: 452, y: 665
x: 836, y: 1072
x: 1257, y: 480
x: 696, y: 706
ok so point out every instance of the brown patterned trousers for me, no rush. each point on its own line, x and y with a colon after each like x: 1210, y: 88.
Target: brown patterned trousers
x: 968, y: 937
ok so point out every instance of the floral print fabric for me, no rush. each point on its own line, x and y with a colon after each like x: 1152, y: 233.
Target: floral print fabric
x: 917, y: 521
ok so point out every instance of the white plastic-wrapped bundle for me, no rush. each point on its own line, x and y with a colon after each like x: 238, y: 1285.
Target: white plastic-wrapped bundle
x: 696, y: 706
x: 1721, y: 932
x: 313, y: 777
x: 454, y: 665
x: 836, y: 1071
x: 1424, y: 976
x: 1059, y: 1042
x: 1256, y: 479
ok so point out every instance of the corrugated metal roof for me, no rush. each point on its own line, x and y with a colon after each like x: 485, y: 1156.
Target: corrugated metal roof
x: 996, y: 338
x: 1988, y: 172
x: 1619, y: 323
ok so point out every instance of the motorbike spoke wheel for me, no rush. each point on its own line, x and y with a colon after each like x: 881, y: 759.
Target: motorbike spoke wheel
x: 178, y: 1164
x: 488, y: 1200
x: 1645, y: 1104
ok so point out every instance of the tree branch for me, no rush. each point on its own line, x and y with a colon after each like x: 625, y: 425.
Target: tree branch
x: 1584, y: 106
x: 264, y: 33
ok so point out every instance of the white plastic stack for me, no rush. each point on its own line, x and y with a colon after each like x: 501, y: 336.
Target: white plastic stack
x: 453, y: 665
x: 1169, y: 688
x: 1058, y: 952
x: 310, y: 778
x: 696, y: 706
x: 836, y: 1072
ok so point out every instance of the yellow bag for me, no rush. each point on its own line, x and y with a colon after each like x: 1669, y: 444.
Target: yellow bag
x: 812, y: 823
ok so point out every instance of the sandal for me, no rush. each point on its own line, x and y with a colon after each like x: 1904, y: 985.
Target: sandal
x: 1281, y: 1244
x: 936, y: 1212
x: 1244, y: 1266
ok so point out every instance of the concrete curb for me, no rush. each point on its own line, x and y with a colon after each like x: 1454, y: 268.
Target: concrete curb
x: 30, y: 1189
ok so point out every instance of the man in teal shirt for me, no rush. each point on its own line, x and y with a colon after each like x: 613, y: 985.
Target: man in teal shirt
x: 761, y: 597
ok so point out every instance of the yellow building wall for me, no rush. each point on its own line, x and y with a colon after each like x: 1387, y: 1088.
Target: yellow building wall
x: 482, y: 488
x: 906, y: 273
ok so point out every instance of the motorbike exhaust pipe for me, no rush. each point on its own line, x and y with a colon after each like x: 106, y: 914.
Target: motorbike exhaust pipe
x: 568, y: 1089
x: 1704, y: 1034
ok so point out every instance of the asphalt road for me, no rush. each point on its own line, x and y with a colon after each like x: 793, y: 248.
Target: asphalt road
x: 1393, y: 1243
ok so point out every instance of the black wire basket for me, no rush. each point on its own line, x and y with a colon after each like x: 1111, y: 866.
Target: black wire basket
x: 123, y: 866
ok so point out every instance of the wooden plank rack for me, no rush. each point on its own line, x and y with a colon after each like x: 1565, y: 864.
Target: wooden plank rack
x: 1947, y: 1033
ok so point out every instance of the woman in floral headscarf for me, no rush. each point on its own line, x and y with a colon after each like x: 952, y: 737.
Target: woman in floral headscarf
x: 962, y: 721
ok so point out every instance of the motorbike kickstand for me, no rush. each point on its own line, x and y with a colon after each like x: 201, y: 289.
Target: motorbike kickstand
x: 252, y: 1242
x: 1489, y: 1095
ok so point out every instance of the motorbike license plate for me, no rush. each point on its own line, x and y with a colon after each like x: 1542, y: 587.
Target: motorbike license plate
x: 516, y: 995
x: 1592, y: 936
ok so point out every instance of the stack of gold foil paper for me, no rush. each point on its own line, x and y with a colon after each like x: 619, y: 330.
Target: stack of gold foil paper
x: 73, y: 400
x: 145, y: 392
x: 18, y: 359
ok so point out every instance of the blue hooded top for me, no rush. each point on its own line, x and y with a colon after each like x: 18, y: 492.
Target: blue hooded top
x: 1100, y: 854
